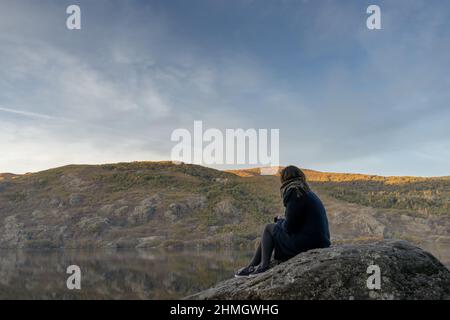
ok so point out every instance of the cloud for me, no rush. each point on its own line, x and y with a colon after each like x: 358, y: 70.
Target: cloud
x: 343, y: 97
x: 26, y: 113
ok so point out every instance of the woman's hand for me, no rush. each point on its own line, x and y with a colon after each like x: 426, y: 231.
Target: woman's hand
x: 277, y: 218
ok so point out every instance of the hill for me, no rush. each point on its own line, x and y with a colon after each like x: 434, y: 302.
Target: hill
x: 160, y: 204
x: 426, y: 196
x: 128, y: 204
x: 7, y: 176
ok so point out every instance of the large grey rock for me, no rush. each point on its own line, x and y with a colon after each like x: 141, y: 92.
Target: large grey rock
x: 181, y: 209
x: 93, y: 225
x: 11, y: 232
x: 407, y: 272
x: 226, y: 212
x: 145, y: 210
x: 75, y: 199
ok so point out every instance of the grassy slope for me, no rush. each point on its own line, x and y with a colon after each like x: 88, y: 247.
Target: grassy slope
x: 80, y: 205
x: 34, y: 207
x: 424, y: 196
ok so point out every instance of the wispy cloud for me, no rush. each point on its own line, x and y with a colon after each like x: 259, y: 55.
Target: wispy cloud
x: 27, y: 113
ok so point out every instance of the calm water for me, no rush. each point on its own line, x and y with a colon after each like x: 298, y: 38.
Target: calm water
x: 124, y: 274
x: 114, y: 274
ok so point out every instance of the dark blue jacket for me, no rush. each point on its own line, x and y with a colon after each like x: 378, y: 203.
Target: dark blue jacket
x: 304, y: 227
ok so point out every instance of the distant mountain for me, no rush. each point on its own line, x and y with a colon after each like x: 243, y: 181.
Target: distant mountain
x: 7, y: 176
x: 318, y: 176
x: 160, y: 204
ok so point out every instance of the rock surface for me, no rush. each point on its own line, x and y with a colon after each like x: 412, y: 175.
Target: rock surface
x: 407, y: 272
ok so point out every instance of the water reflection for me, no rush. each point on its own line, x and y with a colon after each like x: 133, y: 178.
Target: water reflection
x: 114, y: 274
x: 126, y: 274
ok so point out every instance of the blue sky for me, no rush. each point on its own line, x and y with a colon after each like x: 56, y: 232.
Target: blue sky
x: 345, y: 98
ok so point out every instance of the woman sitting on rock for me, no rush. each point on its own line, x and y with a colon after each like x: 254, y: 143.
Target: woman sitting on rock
x: 304, y: 227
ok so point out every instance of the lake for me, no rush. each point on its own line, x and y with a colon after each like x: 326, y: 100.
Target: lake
x: 124, y: 274
x: 115, y: 274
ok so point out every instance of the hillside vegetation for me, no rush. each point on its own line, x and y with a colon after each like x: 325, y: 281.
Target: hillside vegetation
x: 160, y: 204
x: 425, y: 196
x: 129, y: 204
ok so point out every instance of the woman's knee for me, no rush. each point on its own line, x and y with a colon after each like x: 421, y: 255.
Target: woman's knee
x: 269, y: 228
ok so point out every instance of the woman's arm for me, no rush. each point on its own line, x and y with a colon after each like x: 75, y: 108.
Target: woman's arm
x: 293, y: 218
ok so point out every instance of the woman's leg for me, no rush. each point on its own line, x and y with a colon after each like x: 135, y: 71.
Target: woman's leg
x: 262, y: 255
x: 257, y: 257
x: 264, y: 251
x: 267, y: 245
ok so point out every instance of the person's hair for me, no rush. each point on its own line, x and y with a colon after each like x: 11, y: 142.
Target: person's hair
x: 290, y: 173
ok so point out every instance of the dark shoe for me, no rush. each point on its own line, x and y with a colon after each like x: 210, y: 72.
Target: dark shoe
x: 258, y: 271
x: 245, y: 272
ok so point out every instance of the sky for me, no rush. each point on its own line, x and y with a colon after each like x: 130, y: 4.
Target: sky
x: 345, y: 98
